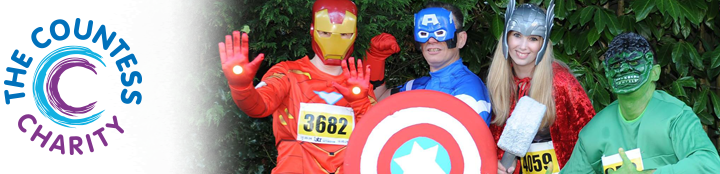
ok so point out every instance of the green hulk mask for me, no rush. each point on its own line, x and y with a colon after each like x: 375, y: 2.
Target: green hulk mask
x: 628, y: 63
x: 631, y: 70
x: 628, y: 71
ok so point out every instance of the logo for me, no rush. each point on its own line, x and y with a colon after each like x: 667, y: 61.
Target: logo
x: 430, y: 18
x: 57, y: 125
x: 421, y: 131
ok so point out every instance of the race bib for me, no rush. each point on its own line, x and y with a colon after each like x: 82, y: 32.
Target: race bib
x: 326, y: 124
x: 538, y: 157
x: 614, y: 162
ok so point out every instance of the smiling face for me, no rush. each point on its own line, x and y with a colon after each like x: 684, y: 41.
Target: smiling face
x: 627, y: 71
x: 438, y: 53
x: 436, y: 31
x: 523, y: 49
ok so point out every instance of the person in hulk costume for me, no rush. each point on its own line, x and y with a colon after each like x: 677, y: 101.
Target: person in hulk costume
x: 315, y: 102
x: 645, y: 130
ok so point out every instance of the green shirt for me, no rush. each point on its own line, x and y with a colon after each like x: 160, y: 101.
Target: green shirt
x: 668, y: 134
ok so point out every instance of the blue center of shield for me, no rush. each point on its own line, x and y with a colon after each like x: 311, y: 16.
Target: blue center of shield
x: 407, y: 156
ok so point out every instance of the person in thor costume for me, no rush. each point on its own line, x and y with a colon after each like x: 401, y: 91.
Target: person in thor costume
x: 315, y: 102
x: 524, y: 65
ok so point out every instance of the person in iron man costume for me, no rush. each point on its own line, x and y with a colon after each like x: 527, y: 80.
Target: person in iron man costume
x: 315, y: 102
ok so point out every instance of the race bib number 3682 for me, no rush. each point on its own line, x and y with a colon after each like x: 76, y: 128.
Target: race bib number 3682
x: 326, y: 124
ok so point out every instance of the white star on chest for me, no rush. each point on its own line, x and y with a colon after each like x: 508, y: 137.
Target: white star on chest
x: 420, y: 161
x: 330, y: 98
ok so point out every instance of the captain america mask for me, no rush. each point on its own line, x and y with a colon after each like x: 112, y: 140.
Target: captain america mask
x: 435, y: 22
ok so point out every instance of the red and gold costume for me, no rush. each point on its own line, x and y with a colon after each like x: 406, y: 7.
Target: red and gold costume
x: 573, y: 111
x: 313, y: 112
x: 282, y: 89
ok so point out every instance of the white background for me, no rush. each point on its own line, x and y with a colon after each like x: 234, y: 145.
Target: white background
x: 161, y: 35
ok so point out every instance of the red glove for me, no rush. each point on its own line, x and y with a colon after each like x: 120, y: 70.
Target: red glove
x: 381, y: 47
x: 358, y: 82
x: 238, y: 71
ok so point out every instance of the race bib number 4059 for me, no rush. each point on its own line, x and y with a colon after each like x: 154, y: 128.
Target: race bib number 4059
x: 538, y: 158
x: 326, y: 124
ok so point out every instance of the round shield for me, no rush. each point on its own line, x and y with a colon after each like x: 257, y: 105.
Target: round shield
x: 421, y: 131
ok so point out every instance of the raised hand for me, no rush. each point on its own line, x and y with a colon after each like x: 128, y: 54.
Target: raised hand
x: 627, y: 165
x: 381, y: 47
x: 235, y: 64
x: 358, y: 81
x: 384, y: 44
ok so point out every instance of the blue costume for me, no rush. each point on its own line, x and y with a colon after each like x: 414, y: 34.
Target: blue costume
x: 457, y: 80
x: 454, y: 79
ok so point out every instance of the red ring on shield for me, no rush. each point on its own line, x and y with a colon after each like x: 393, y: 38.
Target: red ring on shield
x: 477, y: 137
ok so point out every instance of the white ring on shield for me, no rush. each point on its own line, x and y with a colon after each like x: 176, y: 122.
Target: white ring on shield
x: 418, y: 115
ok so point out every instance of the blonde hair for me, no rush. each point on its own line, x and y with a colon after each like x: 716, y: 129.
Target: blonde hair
x: 503, y: 90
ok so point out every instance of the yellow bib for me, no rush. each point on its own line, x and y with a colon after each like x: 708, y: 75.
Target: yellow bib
x: 325, y: 124
x: 613, y: 162
x: 538, y: 157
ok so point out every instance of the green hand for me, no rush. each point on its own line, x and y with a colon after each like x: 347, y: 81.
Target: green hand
x: 549, y: 168
x: 627, y: 166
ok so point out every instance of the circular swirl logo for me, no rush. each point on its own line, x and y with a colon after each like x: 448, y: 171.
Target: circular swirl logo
x: 45, y: 88
x: 78, y: 123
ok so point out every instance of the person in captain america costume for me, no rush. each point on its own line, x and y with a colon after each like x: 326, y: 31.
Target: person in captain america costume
x: 315, y: 102
x: 439, y: 35
x: 524, y: 64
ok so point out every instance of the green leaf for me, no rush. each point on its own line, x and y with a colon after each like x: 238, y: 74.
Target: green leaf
x: 701, y: 101
x: 497, y: 26
x: 570, y: 5
x: 712, y: 12
x: 691, y: 14
x: 715, y: 103
x: 677, y: 89
x: 592, y: 36
x: 569, y: 42
x: 658, y: 32
x: 602, y: 96
x: 581, y: 42
x: 557, y: 34
x: 496, y: 9
x: 713, y: 72
x: 677, y: 57
x: 560, y: 9
x: 245, y: 29
x: 645, y: 29
x: 586, y: 14
x: 710, y: 25
x: 695, y: 58
x: 705, y: 118
x: 687, y: 81
x: 642, y: 8
x: 699, y: 4
x: 664, y: 56
x: 602, y: 81
x: 574, y: 19
x: 669, y: 7
x: 611, y: 21
x: 714, y: 57
x: 684, y: 28
x: 600, y: 21
x: 626, y: 23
